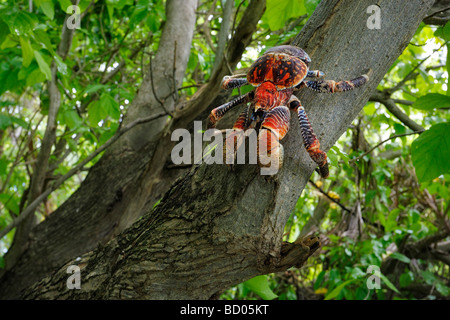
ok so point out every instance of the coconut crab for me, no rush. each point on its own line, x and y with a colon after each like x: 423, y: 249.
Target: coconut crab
x: 277, y: 74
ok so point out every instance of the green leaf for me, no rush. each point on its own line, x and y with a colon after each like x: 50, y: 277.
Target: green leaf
x: 406, y: 279
x: 319, y: 280
x: 391, y: 222
x: 35, y: 76
x: 370, y: 109
x: 279, y: 12
x: 72, y: 119
x: 310, y: 6
x: 27, y: 51
x: 47, y: 6
x: 4, y: 31
x: 138, y: 15
x: 388, y: 283
x: 20, y: 122
x: 260, y: 286
x: 19, y: 22
x: 431, y: 151
x: 153, y: 22
x: 110, y: 105
x: 41, y: 37
x: 96, y: 113
x: 443, y: 32
x: 9, y: 42
x: 401, y: 257
x: 5, y: 121
x: 335, y: 154
x: 108, y: 133
x: 9, y: 202
x: 428, y: 277
x: 336, y: 291
x: 65, y: 4
x: 431, y: 101
x: 443, y: 289
x: 94, y: 88
x: 43, y: 65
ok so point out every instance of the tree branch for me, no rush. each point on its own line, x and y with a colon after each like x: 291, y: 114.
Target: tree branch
x: 224, y: 32
x: 389, y: 103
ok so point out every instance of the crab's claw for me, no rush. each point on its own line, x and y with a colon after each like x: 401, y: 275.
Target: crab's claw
x: 319, y: 157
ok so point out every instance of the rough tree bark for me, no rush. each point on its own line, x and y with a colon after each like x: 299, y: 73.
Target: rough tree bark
x: 117, y: 188
x: 215, y: 228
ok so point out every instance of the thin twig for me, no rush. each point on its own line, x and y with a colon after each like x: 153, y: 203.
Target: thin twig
x: 175, y: 91
x: 235, y: 16
x: 153, y: 87
x: 330, y: 198
x: 384, y: 141
x: 197, y: 85
x: 411, y: 74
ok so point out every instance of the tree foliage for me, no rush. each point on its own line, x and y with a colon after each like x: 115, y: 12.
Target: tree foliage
x: 385, y: 204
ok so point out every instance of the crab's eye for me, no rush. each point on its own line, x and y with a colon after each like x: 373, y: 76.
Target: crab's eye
x: 307, y: 60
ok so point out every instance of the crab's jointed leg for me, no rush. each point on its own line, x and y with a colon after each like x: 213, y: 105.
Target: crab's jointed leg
x: 235, y: 81
x: 315, y: 74
x: 273, y: 128
x: 310, y: 140
x: 331, y: 86
x: 235, y: 139
x: 219, y: 112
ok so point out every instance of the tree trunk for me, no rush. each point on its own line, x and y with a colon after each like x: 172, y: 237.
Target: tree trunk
x: 215, y: 228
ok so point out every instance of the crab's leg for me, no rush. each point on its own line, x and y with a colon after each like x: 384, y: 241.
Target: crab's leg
x: 235, y: 81
x: 242, y: 121
x: 315, y: 74
x: 273, y: 128
x: 217, y: 113
x: 310, y: 140
x: 331, y: 86
x: 235, y: 139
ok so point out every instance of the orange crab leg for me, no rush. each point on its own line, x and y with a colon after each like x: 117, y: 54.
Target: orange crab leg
x: 235, y: 138
x: 310, y: 140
